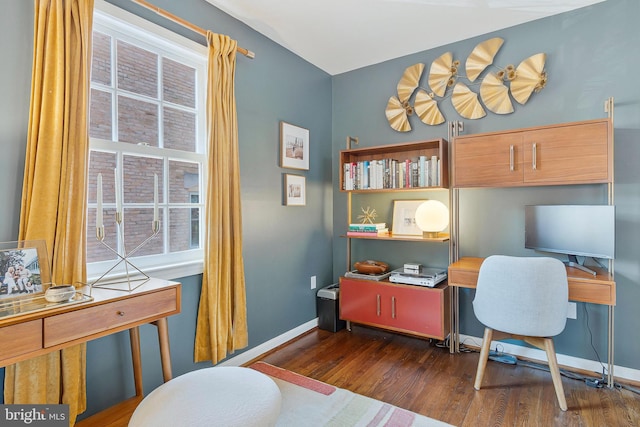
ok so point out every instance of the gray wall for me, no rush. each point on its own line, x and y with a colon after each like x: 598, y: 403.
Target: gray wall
x: 283, y: 246
x: 591, y: 55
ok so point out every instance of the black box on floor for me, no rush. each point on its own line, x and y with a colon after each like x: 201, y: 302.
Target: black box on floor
x: 328, y: 308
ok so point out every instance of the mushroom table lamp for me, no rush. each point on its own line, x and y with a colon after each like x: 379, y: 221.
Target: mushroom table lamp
x: 432, y: 217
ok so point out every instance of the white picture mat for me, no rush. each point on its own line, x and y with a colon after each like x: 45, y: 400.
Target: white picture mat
x: 294, y: 146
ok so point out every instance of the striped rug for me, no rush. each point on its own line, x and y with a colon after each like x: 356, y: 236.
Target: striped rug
x: 310, y: 403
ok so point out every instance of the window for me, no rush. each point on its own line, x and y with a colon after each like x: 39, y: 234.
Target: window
x: 194, y: 241
x: 146, y: 119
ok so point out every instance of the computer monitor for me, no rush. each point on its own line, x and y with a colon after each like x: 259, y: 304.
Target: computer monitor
x: 574, y: 230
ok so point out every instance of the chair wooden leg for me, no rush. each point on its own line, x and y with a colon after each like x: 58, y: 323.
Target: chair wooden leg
x: 484, y: 356
x: 555, y: 372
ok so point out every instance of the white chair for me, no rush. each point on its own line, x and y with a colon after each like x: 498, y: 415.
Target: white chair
x: 526, y: 298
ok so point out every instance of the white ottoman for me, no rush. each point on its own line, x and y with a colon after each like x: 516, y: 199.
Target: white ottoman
x: 218, y: 396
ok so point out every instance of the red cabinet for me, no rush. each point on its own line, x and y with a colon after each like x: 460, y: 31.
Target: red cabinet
x: 410, y: 309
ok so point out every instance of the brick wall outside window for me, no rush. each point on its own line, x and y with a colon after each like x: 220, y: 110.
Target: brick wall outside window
x: 150, y: 114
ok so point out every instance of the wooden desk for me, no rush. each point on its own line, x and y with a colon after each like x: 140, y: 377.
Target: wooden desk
x: 33, y: 334
x: 583, y: 287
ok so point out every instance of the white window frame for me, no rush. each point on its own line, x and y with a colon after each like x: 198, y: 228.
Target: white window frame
x: 112, y: 20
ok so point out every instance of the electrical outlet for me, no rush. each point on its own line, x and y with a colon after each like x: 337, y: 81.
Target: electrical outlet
x: 572, y: 311
x: 313, y: 282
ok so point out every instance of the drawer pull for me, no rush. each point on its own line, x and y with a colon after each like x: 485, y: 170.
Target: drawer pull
x: 393, y: 307
x: 120, y: 313
x: 378, y: 305
x: 511, y: 158
x: 534, y: 163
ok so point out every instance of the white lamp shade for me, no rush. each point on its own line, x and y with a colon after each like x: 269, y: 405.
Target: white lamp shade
x: 432, y: 216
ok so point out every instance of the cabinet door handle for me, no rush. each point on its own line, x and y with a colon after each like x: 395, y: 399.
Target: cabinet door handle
x: 535, y: 154
x: 393, y: 307
x: 378, y: 305
x: 511, y: 158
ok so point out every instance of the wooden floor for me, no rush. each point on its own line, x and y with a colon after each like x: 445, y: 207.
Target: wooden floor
x: 419, y: 376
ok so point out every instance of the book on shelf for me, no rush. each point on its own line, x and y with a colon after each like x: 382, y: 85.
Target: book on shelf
x: 367, y: 227
x: 381, y: 232
x: 356, y: 275
x: 417, y: 172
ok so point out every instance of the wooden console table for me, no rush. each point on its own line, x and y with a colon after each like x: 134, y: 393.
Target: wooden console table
x: 583, y: 287
x: 33, y: 334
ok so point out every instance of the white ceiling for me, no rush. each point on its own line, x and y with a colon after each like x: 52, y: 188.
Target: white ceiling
x: 343, y: 35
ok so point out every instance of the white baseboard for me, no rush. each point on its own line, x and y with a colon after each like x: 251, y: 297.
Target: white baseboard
x: 257, y: 351
x: 570, y: 361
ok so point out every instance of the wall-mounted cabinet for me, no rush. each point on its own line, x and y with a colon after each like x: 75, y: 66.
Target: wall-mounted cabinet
x: 564, y: 154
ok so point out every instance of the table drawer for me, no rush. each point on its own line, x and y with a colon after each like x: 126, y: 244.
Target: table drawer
x: 596, y: 293
x: 108, y: 318
x: 20, y: 338
x: 462, y: 278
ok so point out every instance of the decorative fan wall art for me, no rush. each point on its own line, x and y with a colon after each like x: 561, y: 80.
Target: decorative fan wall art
x: 466, y: 102
x: 495, y: 95
x: 496, y: 89
x: 530, y: 76
x: 427, y: 108
x: 398, y: 109
x: 442, y: 73
x: 481, y: 57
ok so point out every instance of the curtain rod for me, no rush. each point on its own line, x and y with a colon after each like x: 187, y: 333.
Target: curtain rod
x: 186, y: 24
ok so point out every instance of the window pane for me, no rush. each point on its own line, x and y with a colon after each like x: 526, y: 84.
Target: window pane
x: 195, y: 224
x: 100, y: 115
x: 137, y: 69
x: 178, y: 83
x: 138, y: 179
x: 137, y: 121
x: 179, y: 130
x: 97, y: 251
x: 181, y: 230
x: 184, y: 180
x: 104, y: 163
x: 138, y: 227
x: 101, y: 60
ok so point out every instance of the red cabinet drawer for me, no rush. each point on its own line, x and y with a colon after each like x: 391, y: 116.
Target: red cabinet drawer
x: 404, y: 308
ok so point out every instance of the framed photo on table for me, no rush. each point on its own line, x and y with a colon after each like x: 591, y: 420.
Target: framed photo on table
x: 24, y: 269
x: 404, y: 217
x: 295, y: 192
x: 294, y: 147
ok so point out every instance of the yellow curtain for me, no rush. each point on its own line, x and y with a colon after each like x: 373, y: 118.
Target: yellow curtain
x: 54, y: 189
x: 222, y: 314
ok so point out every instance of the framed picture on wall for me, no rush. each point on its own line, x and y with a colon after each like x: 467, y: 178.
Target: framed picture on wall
x: 295, y: 193
x: 294, y: 147
x: 404, y: 217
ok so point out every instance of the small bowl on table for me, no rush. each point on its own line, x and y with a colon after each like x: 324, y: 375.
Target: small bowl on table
x: 60, y: 293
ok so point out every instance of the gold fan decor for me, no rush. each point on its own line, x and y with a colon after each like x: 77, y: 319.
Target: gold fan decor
x: 466, y: 102
x: 427, y: 108
x: 481, y: 57
x: 529, y: 77
x: 443, y: 73
x: 496, y: 88
x: 398, y: 108
x: 495, y: 95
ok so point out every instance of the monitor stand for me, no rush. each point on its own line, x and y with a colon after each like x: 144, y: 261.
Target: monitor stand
x: 573, y: 262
